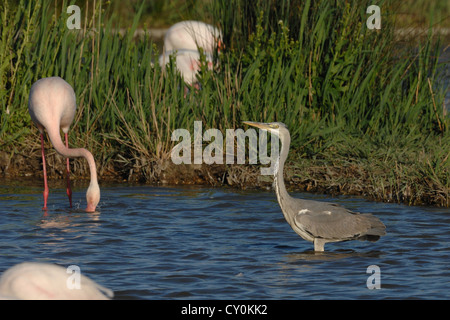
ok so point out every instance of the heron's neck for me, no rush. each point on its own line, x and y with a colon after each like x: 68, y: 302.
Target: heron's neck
x: 280, y: 188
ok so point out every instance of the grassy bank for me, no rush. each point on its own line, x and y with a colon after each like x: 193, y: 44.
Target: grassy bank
x: 365, y: 114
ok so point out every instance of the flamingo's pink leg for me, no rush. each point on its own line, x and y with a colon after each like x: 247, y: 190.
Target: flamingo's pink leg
x: 45, y: 173
x: 68, y: 190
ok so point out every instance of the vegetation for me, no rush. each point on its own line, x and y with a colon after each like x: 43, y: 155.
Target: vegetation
x: 365, y: 114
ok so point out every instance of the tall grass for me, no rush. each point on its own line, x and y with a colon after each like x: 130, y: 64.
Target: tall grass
x: 347, y: 93
x: 329, y: 68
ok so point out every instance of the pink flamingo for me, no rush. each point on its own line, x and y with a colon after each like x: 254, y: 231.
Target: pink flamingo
x: 192, y: 35
x: 183, y: 40
x: 45, y: 281
x: 52, y: 105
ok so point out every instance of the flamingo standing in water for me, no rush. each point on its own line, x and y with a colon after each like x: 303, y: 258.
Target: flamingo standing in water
x: 52, y: 106
x: 45, y: 281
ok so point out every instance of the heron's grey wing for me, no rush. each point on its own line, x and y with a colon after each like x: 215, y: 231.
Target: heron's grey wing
x: 332, y: 222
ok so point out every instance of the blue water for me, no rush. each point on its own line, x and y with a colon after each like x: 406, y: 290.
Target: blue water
x: 203, y: 243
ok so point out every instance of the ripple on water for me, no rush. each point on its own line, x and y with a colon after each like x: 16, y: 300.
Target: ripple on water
x: 201, y: 243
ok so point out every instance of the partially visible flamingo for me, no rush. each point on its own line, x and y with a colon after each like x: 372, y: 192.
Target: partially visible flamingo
x: 44, y: 281
x: 192, y: 35
x: 184, y: 39
x: 52, y: 105
x: 187, y: 62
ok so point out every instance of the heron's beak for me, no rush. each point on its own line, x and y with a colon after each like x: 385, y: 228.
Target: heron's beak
x: 260, y: 125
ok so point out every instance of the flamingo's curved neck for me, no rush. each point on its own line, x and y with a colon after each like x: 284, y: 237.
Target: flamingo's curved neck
x: 59, y: 146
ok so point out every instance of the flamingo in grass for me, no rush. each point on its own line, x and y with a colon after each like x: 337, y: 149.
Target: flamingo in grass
x: 192, y: 35
x: 52, y: 106
x: 183, y: 40
x: 187, y: 62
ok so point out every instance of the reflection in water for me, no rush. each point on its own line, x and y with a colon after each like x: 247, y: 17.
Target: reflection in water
x: 67, y: 220
x: 203, y: 243
x: 329, y: 256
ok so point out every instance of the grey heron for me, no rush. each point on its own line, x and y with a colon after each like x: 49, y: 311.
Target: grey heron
x: 317, y: 221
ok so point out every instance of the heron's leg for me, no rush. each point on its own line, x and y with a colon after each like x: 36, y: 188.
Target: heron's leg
x: 68, y: 190
x: 319, y: 245
x: 45, y: 173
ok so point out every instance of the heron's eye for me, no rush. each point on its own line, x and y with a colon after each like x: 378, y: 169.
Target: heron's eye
x: 274, y: 126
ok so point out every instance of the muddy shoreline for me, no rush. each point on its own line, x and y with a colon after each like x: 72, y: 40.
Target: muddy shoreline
x: 355, y: 179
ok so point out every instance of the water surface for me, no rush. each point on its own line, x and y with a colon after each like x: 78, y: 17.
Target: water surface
x: 203, y: 243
